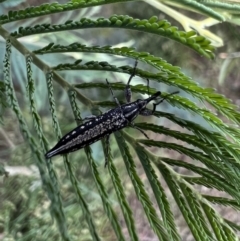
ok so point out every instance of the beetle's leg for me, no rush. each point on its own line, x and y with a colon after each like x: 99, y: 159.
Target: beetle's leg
x: 147, y: 112
x: 148, y: 85
x: 87, y: 118
x: 114, y: 97
x: 163, y: 98
x: 107, y: 153
x: 137, y: 128
x: 128, y: 92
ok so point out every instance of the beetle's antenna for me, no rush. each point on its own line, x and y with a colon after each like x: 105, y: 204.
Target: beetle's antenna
x: 165, y: 97
x: 148, y: 85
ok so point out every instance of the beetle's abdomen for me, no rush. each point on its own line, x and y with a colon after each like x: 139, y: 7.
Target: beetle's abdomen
x: 89, y: 132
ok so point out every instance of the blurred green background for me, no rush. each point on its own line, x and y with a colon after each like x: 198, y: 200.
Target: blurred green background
x: 21, y: 216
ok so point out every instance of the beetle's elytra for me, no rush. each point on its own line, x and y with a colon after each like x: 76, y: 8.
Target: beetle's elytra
x: 98, y: 127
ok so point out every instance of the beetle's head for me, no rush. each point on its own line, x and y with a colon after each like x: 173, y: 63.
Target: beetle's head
x: 132, y: 110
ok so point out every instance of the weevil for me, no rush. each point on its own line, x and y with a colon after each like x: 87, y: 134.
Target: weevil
x: 95, y: 128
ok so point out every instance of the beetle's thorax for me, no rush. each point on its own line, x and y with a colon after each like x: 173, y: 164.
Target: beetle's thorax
x: 132, y: 110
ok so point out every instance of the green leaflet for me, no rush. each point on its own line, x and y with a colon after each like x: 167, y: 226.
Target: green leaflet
x: 223, y: 201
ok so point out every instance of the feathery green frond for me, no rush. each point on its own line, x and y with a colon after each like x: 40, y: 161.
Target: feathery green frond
x: 3, y: 101
x: 175, y: 190
x: 159, y: 193
x: 226, y: 168
x: 82, y: 202
x: 126, y: 210
x: 105, y: 200
x: 50, y: 183
x: 211, y: 150
x: 197, y: 203
x: 207, y: 178
x: 195, y: 207
x: 50, y: 8
x: 149, y: 210
x: 211, y: 137
x: 56, y: 127
x: 215, y: 223
x: 35, y: 115
x: 153, y: 25
x: 215, y: 153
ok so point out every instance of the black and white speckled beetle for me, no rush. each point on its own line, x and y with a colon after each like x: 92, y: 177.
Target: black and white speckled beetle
x: 98, y: 127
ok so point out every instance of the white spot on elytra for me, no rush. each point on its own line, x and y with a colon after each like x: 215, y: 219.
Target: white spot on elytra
x: 82, y: 127
x: 73, y: 132
x: 67, y: 137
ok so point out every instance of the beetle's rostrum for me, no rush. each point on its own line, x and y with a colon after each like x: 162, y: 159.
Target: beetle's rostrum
x: 98, y: 127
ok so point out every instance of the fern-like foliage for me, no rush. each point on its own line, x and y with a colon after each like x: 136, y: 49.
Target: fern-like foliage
x: 213, y: 148
x: 152, y: 25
